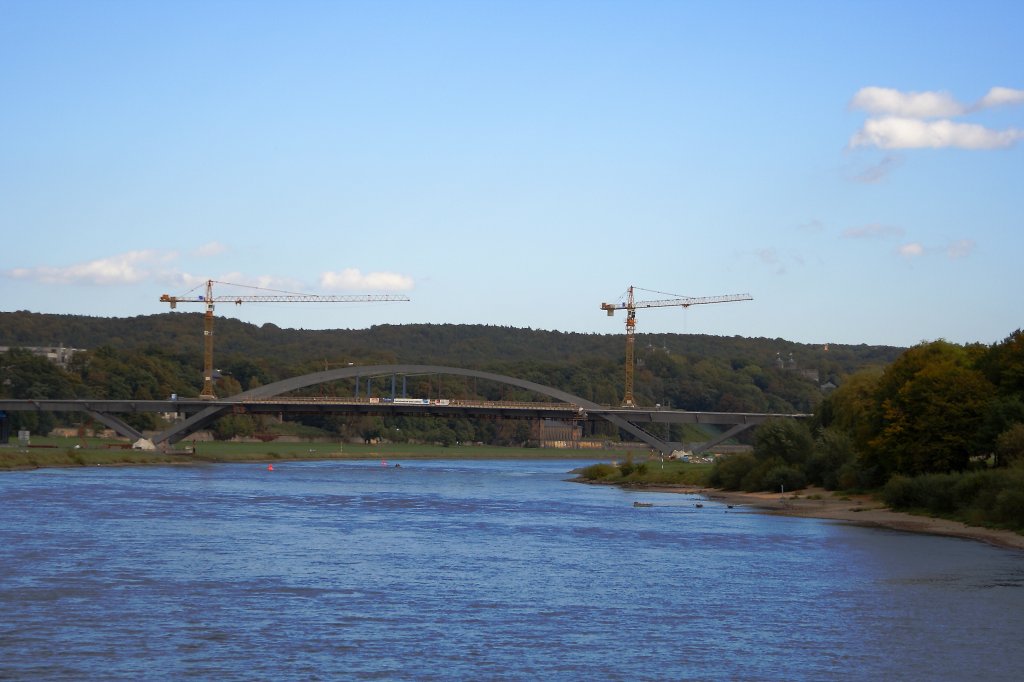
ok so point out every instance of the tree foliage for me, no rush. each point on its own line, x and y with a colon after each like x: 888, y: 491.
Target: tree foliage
x: 932, y: 403
x: 938, y: 408
x: 154, y: 356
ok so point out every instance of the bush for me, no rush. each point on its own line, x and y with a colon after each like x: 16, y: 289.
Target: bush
x: 1010, y: 445
x: 933, y: 492
x: 1008, y: 509
x: 728, y: 472
x: 783, y: 477
x: 969, y: 490
x: 599, y: 472
x: 900, y: 493
x: 787, y: 439
x: 628, y: 468
x: 833, y: 450
x: 848, y: 477
x: 992, y: 497
x: 772, y: 475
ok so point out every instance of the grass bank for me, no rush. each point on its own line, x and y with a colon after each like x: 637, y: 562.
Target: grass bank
x: 647, y: 473
x: 62, y: 452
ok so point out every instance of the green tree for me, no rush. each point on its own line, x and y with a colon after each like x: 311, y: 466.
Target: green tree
x: 853, y: 407
x: 786, y: 439
x: 932, y: 404
x: 1010, y: 446
x: 232, y: 425
x: 1003, y: 364
x: 833, y: 450
x: 729, y: 471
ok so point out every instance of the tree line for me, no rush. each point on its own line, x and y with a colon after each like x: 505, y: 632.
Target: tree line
x: 941, y: 428
x: 154, y: 356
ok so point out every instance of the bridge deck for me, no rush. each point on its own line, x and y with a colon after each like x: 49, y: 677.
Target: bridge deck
x: 268, y: 399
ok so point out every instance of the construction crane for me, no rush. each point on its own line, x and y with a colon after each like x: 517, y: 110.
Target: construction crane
x: 630, y: 305
x: 276, y: 297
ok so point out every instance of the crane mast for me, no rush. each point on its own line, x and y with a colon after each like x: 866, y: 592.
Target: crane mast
x: 209, y: 299
x: 631, y: 304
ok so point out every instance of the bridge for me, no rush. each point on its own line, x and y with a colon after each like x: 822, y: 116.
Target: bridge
x: 273, y: 399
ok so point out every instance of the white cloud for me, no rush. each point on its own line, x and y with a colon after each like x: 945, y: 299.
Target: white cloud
x: 125, y: 268
x: 911, y: 250
x: 877, y: 100
x: 894, y: 132
x: 999, y: 96
x: 154, y: 266
x: 872, y: 231
x: 352, y: 278
x: 921, y: 120
x: 962, y: 248
x: 928, y: 104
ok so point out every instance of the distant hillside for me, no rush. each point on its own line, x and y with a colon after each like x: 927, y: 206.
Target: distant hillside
x: 685, y: 370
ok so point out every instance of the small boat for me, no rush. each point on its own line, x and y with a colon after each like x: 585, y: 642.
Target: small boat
x: 643, y: 504
x: 698, y: 505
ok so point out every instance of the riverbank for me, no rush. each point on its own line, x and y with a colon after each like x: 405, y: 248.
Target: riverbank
x: 60, y: 453
x: 857, y: 509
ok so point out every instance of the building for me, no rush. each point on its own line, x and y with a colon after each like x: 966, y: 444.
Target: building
x: 58, y: 355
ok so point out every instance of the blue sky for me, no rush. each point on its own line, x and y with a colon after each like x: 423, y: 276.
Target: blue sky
x: 856, y: 167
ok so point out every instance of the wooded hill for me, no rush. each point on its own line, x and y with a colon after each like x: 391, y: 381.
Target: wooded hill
x: 153, y: 356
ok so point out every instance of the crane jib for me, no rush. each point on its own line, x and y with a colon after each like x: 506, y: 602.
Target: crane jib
x: 630, y: 305
x: 209, y: 299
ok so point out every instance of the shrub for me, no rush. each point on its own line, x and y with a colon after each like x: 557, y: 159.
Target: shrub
x: 628, y: 469
x: 992, y: 497
x: 783, y: 476
x: 899, y: 493
x: 787, y: 439
x: 773, y: 475
x: 833, y: 450
x: 728, y: 472
x: 933, y: 492
x: 599, y: 472
x: 1010, y: 445
x: 848, y: 477
x: 970, y: 489
x: 1008, y: 509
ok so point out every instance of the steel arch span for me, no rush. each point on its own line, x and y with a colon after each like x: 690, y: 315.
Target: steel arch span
x: 204, y: 417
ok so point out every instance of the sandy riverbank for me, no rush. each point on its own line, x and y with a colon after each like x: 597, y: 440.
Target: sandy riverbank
x: 858, y: 509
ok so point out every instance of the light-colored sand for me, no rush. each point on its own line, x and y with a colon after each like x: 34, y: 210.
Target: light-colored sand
x: 858, y: 509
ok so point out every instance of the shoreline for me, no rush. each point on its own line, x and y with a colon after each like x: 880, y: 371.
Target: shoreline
x: 861, y: 510
x: 49, y: 457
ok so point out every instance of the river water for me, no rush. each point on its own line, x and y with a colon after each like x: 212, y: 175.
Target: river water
x: 443, y: 570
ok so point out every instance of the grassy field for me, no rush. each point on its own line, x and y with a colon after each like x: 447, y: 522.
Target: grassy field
x: 62, y: 452
x: 647, y: 473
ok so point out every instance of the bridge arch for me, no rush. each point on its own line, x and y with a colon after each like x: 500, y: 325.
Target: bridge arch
x: 204, y: 417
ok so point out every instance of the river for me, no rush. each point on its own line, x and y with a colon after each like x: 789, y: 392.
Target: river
x: 494, y: 570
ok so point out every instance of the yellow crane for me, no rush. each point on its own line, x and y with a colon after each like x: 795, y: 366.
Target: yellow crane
x: 630, y: 305
x: 275, y: 297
